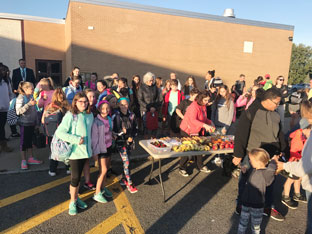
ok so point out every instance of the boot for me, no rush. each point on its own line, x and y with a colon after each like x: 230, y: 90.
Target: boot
x: 5, y: 147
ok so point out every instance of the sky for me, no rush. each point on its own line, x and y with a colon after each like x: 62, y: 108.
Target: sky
x: 296, y: 13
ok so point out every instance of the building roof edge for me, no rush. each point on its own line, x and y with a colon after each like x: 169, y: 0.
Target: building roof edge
x: 190, y: 14
x: 31, y: 18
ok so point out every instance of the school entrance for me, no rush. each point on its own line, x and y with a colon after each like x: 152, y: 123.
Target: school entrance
x: 49, y: 68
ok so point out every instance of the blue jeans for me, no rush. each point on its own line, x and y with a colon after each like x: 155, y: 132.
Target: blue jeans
x: 256, y: 218
x: 309, y: 219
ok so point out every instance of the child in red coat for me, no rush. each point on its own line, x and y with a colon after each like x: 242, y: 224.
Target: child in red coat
x: 298, y: 139
x: 151, y: 122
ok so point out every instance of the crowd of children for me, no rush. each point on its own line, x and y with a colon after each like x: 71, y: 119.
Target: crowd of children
x: 106, y: 117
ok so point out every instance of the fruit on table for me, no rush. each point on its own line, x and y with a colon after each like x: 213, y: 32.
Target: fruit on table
x: 158, y: 144
x: 190, y: 147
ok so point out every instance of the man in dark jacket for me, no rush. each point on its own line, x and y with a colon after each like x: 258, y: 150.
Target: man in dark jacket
x: 22, y: 74
x: 148, y: 94
x: 260, y: 127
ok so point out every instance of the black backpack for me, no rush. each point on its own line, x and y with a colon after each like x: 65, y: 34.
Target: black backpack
x: 51, y: 122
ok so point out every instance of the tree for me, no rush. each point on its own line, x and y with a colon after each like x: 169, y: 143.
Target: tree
x: 300, y: 64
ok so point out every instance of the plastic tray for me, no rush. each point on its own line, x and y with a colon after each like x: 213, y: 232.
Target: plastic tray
x: 158, y: 150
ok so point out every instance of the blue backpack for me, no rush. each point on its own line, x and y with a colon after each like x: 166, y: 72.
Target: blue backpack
x: 61, y: 150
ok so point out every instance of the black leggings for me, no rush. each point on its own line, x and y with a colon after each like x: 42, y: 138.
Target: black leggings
x: 76, y: 170
x: 3, y: 118
x: 184, y: 160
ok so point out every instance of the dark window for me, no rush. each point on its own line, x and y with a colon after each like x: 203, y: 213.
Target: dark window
x: 49, y: 68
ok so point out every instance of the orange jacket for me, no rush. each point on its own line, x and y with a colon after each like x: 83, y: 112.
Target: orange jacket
x: 296, y: 144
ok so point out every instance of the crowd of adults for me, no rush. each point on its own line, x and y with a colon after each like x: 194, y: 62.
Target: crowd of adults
x: 163, y: 107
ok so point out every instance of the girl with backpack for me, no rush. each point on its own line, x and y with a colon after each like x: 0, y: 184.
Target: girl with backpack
x: 51, y: 119
x: 28, y: 119
x: 125, y: 130
x: 75, y: 129
x: 102, y: 148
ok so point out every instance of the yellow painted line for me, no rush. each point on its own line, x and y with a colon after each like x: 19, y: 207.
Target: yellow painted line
x: 42, y: 217
x: 130, y: 222
x: 28, y: 193
x: 124, y: 215
x: 107, y: 225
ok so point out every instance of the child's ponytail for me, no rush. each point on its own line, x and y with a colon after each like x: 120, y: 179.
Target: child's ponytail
x: 20, y: 87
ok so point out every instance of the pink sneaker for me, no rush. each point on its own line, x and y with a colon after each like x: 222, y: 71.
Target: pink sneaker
x: 24, y: 165
x: 132, y: 188
x: 33, y: 161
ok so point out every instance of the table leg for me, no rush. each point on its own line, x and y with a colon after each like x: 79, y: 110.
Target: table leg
x: 160, y: 179
x: 151, y: 173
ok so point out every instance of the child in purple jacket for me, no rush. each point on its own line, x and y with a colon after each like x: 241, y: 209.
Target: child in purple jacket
x: 102, y: 148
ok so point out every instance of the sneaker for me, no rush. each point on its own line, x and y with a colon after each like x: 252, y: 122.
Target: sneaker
x: 24, y: 165
x: 300, y: 198
x: 99, y: 198
x: 276, y: 215
x: 183, y: 173
x: 89, y: 186
x: 287, y: 201
x: 123, y: 182
x: 15, y: 135
x: 72, y: 210
x: 238, y: 209
x: 132, y: 188
x: 68, y: 172
x: 33, y: 161
x: 205, y: 170
x: 106, y: 192
x: 52, y: 173
x: 81, y: 204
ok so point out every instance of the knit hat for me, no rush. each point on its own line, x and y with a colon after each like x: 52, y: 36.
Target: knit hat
x: 98, y: 106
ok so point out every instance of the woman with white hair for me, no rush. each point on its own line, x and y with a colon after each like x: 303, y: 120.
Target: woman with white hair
x: 148, y: 94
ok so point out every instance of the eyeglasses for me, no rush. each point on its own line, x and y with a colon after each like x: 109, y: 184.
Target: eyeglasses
x: 83, y: 102
x: 276, y: 103
x: 281, y: 79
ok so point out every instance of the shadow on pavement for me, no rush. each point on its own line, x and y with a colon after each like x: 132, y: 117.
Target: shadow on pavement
x: 183, y: 211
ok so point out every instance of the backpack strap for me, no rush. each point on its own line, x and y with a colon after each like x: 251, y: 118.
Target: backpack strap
x: 110, y: 123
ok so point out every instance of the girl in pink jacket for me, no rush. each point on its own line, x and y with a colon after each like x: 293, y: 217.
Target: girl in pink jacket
x: 46, y: 90
x: 102, y: 148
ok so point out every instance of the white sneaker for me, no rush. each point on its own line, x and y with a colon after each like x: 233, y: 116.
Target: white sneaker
x: 68, y: 172
x: 52, y: 173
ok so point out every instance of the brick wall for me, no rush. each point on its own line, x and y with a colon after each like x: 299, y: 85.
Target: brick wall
x: 133, y: 42
x: 44, y: 41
